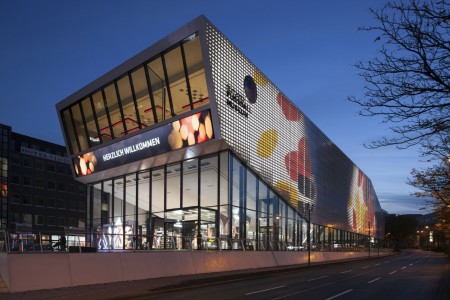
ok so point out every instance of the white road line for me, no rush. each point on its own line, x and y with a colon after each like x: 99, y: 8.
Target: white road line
x: 392, y: 272
x: 346, y: 271
x: 365, y: 267
x: 410, y: 264
x: 262, y: 291
x: 318, y: 278
x: 377, y: 264
x: 335, y: 296
x: 403, y: 268
x: 374, y: 280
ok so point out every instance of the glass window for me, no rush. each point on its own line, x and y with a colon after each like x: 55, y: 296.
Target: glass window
x: 39, y: 220
x: 114, y: 111
x: 27, y: 200
x: 39, y: 164
x: 61, y: 203
x: 71, y: 188
x: 224, y: 177
x: 51, y: 203
x: 51, y: 167
x: 62, y: 169
x: 128, y: 107
x: 177, y: 81
x: 160, y: 97
x: 61, y: 221
x: 251, y: 190
x: 73, y: 222
x: 72, y: 205
x: 15, y: 179
x: 102, y: 118
x: 143, y: 201
x: 118, y: 202
x: 142, y: 97
x: 51, y: 221
x: 173, y: 186
x: 61, y: 186
x: 38, y: 201
x: 208, y: 181
x: 15, y: 160
x: 130, y: 211
x: 190, y: 182
x: 27, y: 162
x: 157, y: 190
x: 236, y: 181
x: 196, y: 72
x: 73, y: 146
x: 51, y: 185
x: 79, y: 127
x: 28, y: 219
x: 39, y: 183
x: 90, y: 122
x: 15, y: 198
x: 26, y: 180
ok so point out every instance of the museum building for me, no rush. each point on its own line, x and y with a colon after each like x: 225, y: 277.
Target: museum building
x: 189, y: 145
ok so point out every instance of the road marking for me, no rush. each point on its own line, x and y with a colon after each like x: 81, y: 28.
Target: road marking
x: 374, y: 280
x: 392, y: 272
x: 346, y: 271
x: 262, y: 291
x: 377, y: 264
x: 410, y: 264
x: 403, y: 268
x: 365, y: 267
x: 318, y: 278
x: 335, y: 296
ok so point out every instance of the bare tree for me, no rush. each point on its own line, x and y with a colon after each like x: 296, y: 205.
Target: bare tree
x: 408, y: 82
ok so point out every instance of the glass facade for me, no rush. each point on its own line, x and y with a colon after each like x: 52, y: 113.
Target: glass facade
x: 5, y: 133
x: 167, y: 85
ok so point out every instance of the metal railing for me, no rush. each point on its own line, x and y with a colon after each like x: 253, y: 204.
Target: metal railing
x: 103, y: 242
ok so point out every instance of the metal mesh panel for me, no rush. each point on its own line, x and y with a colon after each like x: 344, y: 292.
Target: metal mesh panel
x: 284, y: 146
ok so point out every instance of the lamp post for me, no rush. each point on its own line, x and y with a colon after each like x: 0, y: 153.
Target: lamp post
x: 369, y: 238
x: 309, y: 209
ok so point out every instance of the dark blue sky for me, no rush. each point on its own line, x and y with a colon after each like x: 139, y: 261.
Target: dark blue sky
x: 49, y: 49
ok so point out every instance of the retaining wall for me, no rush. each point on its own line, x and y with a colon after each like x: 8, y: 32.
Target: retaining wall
x: 35, y: 271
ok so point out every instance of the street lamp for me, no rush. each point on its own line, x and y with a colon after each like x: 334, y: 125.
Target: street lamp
x: 369, y: 238
x: 309, y: 209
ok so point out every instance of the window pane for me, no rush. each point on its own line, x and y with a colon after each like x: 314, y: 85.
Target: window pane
x: 251, y: 191
x: 142, y: 97
x: 114, y: 111
x: 102, y: 118
x: 177, y: 81
x: 190, y: 183
x: 129, y: 110
x: 208, y: 182
x: 70, y: 134
x: 79, y: 127
x: 196, y: 72
x: 158, y: 190
x: 144, y: 206
x: 90, y: 122
x: 130, y: 211
x: 156, y: 74
x: 173, y: 186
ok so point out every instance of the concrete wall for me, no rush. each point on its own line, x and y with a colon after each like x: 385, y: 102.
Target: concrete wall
x: 35, y: 271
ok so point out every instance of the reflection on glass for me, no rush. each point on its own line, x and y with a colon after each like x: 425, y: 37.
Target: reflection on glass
x: 160, y: 96
x: 128, y: 107
x: 142, y: 97
x: 114, y: 111
x: 93, y: 136
x: 208, y: 181
x: 173, y: 186
x: 73, y: 145
x: 177, y: 81
x: 190, y: 183
x: 102, y: 118
x: 196, y: 72
x: 157, y: 190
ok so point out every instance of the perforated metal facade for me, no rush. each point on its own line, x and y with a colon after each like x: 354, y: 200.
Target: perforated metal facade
x: 275, y: 138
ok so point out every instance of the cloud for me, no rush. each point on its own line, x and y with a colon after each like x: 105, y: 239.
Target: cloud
x: 402, y: 204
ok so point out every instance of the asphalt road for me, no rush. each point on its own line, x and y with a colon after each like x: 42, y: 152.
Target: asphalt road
x: 409, y: 275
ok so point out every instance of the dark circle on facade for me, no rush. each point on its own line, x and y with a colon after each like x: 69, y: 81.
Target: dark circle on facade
x: 250, y: 89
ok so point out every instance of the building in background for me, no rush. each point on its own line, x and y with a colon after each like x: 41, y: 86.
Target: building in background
x: 40, y: 199
x: 188, y: 143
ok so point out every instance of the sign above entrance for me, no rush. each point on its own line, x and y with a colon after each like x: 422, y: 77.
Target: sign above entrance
x: 179, y: 134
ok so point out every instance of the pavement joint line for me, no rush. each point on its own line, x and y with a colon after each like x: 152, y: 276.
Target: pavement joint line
x: 374, y: 280
x: 343, y: 293
x: 262, y: 291
x: 317, y: 278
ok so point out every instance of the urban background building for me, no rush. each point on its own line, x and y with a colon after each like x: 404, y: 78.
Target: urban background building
x: 41, y: 201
